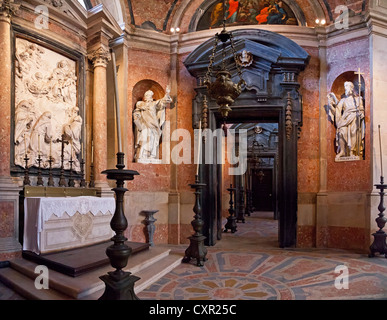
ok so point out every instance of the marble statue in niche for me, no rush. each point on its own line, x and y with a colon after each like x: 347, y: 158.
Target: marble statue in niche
x: 149, y: 117
x: 348, y: 117
x: 45, y: 106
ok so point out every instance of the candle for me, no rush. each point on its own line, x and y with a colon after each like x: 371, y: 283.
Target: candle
x: 381, y: 158
x: 199, y: 146
x: 92, y: 152
x: 82, y: 150
x: 71, y: 150
x: 117, y: 102
x: 50, y: 148
x: 38, y: 144
x: 25, y: 146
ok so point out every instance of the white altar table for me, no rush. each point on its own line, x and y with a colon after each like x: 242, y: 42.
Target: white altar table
x: 59, y: 223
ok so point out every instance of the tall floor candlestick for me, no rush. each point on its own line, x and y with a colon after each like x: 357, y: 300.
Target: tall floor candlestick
x: 119, y: 284
x: 199, y: 147
x: 379, y: 244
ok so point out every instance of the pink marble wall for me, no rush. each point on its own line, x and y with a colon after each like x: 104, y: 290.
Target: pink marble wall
x: 308, y: 144
x: 7, y: 219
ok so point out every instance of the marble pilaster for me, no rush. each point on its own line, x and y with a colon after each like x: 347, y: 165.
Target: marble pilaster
x: 100, y: 59
x: 9, y: 195
x: 7, y: 9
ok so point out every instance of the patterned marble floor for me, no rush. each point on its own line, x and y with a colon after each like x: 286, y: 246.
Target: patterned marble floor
x: 248, y: 265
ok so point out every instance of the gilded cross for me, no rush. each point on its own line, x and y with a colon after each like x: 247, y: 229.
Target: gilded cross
x: 359, y: 73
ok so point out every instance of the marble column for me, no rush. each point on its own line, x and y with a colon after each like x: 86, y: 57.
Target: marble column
x: 100, y: 59
x: 7, y: 9
x: 9, y: 192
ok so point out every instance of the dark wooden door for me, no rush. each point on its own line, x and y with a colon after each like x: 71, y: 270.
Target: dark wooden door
x: 262, y: 187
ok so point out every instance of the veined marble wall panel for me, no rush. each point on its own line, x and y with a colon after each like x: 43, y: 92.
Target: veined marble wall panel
x: 45, y: 106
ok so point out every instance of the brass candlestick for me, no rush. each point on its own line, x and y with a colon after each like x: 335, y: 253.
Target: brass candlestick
x: 62, y: 180
x: 71, y: 182
x: 50, y: 181
x: 92, y: 182
x: 82, y: 184
x: 26, y: 181
x: 40, y: 179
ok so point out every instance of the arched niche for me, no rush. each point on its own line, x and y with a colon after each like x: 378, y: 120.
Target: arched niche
x: 138, y: 92
x: 210, y: 11
x: 338, y: 84
x: 144, y: 85
x: 338, y: 89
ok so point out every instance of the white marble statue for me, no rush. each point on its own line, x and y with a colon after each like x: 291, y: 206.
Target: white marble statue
x: 149, y: 117
x: 348, y: 116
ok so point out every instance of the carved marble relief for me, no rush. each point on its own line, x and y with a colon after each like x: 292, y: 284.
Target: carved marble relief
x: 45, y: 106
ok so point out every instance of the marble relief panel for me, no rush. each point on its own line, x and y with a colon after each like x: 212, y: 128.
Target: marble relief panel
x: 45, y: 106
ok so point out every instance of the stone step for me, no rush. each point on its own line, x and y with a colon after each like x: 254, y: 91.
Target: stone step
x: 148, y: 275
x: 75, y: 262
x: 149, y: 265
x: 25, y: 286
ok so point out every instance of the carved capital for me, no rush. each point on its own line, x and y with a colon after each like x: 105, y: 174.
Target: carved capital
x: 7, y: 9
x: 100, y: 57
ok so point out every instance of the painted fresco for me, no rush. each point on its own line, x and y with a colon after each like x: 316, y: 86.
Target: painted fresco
x: 247, y: 12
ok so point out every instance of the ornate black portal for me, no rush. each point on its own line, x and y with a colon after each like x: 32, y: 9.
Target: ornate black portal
x: 271, y: 94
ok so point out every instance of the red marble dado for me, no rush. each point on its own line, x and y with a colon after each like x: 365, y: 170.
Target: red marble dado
x: 306, y: 236
x: 343, y: 238
x: 174, y: 233
x: 139, y: 233
x: 6, y: 219
x: 6, y: 256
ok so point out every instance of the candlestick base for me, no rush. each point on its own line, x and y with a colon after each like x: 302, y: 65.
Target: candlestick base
x: 196, y: 249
